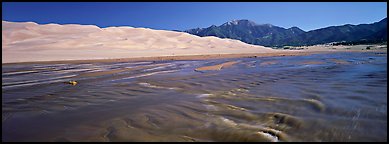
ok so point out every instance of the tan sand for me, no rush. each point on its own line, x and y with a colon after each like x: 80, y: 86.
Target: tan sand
x: 28, y: 41
x: 164, y: 58
x: 217, y: 67
x: 52, y: 43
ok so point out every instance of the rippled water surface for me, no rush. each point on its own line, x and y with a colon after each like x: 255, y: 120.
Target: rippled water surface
x: 320, y: 97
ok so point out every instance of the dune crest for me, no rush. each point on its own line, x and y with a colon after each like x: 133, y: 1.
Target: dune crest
x: 29, y: 41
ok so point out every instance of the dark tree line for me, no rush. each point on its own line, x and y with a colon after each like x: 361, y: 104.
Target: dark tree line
x: 359, y: 42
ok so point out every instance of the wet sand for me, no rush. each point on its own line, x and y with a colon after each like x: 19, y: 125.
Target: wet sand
x: 216, y: 67
x: 308, y: 51
x: 192, y: 57
x: 185, y: 57
x: 336, y: 96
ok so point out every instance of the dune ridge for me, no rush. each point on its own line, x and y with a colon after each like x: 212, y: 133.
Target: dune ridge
x: 29, y: 41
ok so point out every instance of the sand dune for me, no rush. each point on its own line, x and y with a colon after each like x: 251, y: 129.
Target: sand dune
x: 28, y: 41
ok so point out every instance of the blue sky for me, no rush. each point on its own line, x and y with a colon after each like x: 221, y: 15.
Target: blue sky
x: 187, y: 15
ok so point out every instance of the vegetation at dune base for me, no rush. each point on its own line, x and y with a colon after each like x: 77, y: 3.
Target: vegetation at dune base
x: 361, y: 42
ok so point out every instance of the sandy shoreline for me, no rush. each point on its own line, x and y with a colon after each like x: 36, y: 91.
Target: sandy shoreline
x: 193, y: 57
x: 216, y: 67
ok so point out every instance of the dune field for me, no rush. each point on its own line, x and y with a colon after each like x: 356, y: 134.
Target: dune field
x: 28, y: 41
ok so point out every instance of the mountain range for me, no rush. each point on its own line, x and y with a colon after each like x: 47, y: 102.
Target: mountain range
x: 275, y: 36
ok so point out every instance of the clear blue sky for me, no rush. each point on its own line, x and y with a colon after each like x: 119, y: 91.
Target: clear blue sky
x: 186, y: 15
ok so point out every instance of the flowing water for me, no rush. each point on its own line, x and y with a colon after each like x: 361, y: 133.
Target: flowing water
x: 319, y: 97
